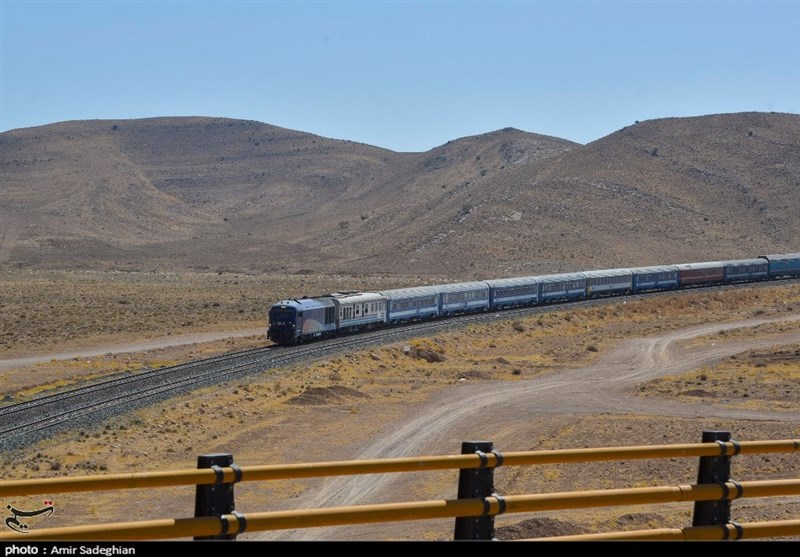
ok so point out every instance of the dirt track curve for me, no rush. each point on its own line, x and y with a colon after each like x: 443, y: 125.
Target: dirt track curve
x: 480, y: 410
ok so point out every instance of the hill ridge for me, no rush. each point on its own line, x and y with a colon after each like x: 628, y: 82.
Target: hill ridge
x: 209, y: 193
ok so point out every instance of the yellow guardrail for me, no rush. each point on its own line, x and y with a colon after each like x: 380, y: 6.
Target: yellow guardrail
x: 390, y: 465
x: 474, y: 509
x: 396, y: 512
x: 730, y: 531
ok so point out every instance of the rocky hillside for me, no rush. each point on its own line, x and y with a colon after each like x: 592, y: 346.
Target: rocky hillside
x: 219, y: 194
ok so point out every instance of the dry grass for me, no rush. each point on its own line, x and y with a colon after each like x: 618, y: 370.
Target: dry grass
x: 753, y: 379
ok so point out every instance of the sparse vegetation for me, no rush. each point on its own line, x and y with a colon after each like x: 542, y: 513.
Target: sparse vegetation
x: 768, y: 378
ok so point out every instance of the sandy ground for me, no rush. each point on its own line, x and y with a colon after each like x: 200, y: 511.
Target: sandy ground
x: 129, y: 347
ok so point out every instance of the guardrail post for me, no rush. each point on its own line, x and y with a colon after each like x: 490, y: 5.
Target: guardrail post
x: 713, y: 470
x: 214, y: 499
x: 475, y: 483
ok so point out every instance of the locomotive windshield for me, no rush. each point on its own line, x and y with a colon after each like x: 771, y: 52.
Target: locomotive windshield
x: 280, y: 315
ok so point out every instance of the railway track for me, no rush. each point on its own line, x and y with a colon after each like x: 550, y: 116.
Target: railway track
x: 29, y: 421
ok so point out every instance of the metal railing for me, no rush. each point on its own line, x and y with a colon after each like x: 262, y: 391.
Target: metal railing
x: 474, y: 509
x: 389, y: 465
x: 730, y: 531
x: 232, y: 524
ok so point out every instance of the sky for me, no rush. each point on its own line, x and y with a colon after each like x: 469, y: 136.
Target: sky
x: 403, y: 75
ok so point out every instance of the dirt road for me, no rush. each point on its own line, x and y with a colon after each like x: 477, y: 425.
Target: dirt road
x: 482, y: 410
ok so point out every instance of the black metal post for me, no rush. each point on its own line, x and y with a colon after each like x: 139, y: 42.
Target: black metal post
x: 475, y: 483
x: 713, y: 470
x: 214, y: 499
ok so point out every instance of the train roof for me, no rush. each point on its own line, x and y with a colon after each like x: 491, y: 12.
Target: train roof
x: 355, y: 297
x: 602, y: 273
x: 561, y: 277
x: 516, y: 281
x: 462, y: 286
x: 409, y: 292
x: 701, y: 265
x: 755, y: 261
x: 655, y: 269
x: 782, y: 256
x: 305, y: 303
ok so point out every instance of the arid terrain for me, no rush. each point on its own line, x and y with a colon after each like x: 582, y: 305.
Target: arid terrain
x: 658, y: 370
x: 213, y: 194
x: 127, y: 245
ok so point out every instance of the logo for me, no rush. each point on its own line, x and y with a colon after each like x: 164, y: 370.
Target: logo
x: 15, y: 521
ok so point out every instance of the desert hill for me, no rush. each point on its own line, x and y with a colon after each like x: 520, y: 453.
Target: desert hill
x: 219, y: 194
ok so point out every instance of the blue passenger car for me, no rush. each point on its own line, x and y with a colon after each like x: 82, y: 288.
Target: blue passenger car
x: 293, y: 321
x: 783, y: 265
x: 663, y: 277
x: 513, y: 292
x: 746, y: 270
x: 411, y: 304
x: 608, y: 282
x: 463, y: 297
x: 567, y: 286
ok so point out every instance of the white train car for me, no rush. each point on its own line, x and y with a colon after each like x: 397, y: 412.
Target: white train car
x: 359, y: 310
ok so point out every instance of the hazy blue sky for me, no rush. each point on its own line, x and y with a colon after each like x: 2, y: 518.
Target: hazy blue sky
x: 403, y: 75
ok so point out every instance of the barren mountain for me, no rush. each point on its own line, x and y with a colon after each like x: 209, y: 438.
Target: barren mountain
x: 217, y: 194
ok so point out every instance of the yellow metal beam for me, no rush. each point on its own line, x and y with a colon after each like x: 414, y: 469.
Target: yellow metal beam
x: 409, y: 464
x: 394, y: 512
x: 749, y: 531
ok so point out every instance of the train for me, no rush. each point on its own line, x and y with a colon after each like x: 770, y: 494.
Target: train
x: 304, y: 319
